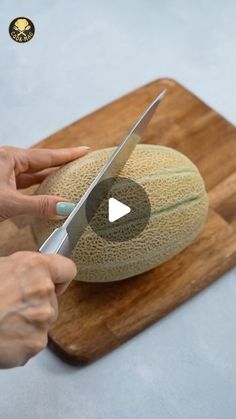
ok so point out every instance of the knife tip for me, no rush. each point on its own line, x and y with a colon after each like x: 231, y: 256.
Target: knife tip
x: 162, y: 94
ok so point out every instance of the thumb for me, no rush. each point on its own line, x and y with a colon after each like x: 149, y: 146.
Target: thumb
x: 43, y: 206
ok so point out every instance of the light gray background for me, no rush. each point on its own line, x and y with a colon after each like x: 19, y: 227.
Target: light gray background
x: 85, y: 54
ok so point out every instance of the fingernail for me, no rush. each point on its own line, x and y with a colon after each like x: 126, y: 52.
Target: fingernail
x: 64, y: 208
x: 84, y: 147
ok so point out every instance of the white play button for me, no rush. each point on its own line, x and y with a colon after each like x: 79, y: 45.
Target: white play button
x: 116, y: 209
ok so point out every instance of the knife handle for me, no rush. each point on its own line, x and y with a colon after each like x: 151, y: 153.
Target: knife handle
x: 57, y: 242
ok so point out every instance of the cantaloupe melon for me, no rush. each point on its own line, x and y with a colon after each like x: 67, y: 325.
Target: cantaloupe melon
x: 179, y: 205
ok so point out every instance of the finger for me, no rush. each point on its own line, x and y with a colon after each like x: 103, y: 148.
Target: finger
x: 61, y: 288
x: 36, y: 159
x: 54, y: 304
x: 6, y: 163
x: 35, y: 343
x: 62, y: 270
x: 43, y: 314
x: 42, y: 206
x: 24, y: 180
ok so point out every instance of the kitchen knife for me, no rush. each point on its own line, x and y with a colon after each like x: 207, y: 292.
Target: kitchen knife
x: 63, y: 239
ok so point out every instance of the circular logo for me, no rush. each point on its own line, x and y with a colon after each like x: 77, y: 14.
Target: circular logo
x: 118, y: 209
x: 21, y: 29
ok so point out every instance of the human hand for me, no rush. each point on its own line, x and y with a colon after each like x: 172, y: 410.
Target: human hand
x: 21, y: 168
x: 29, y: 283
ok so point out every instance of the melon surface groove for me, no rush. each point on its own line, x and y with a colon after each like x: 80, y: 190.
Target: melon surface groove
x: 179, y: 206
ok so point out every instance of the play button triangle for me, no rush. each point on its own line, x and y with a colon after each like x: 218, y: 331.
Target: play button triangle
x: 116, y: 209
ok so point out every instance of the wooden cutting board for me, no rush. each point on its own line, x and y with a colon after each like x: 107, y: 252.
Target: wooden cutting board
x: 96, y: 318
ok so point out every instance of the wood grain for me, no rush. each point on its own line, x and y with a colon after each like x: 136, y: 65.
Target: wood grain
x: 96, y: 318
